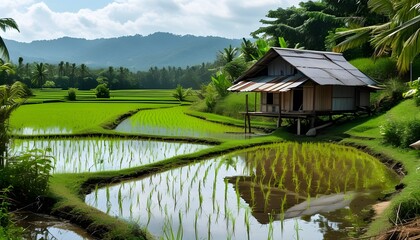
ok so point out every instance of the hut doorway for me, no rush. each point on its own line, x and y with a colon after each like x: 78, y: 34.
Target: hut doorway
x: 297, y: 99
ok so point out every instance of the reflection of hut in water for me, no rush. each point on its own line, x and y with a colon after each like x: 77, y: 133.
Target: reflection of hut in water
x: 270, y: 201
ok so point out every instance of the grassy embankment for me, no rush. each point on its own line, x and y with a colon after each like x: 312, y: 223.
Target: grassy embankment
x: 68, y: 189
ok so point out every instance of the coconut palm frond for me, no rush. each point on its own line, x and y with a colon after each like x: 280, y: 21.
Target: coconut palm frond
x: 6, y: 23
x: 385, y: 7
x: 352, y: 38
x: 3, y: 49
x: 409, y: 52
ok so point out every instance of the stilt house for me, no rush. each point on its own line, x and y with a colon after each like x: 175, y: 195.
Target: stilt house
x: 305, y: 84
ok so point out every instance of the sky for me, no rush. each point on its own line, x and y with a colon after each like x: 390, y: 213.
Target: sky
x: 92, y: 19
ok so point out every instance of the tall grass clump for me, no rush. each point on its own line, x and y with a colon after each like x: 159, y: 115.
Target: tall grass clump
x: 400, y: 133
x: 391, y: 95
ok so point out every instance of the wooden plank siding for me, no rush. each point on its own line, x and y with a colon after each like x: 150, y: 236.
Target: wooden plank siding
x: 323, y: 101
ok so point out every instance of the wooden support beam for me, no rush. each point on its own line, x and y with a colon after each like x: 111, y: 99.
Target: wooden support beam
x: 255, y: 102
x: 279, y: 119
x: 247, y: 115
x: 298, y: 126
x: 246, y: 111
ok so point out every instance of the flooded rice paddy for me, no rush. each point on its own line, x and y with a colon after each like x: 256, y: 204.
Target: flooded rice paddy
x: 102, y: 154
x: 174, y: 122
x: 281, y: 191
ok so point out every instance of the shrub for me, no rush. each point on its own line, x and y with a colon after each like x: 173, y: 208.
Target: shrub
x: 211, y: 98
x: 401, y: 133
x: 72, y: 94
x: 180, y: 93
x: 221, y: 83
x: 27, y: 174
x: 7, y: 229
x: 414, y: 91
x: 391, y: 131
x: 411, y: 132
x: 102, y: 91
x: 391, y: 96
x: 49, y: 84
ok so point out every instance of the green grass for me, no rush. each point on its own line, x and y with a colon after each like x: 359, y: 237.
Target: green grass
x: 378, y: 69
x: 174, y: 122
x: 73, y: 117
x: 406, y: 110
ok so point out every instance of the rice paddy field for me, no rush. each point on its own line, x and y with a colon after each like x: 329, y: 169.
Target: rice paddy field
x: 143, y: 166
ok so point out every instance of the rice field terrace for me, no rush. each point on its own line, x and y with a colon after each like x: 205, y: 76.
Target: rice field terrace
x: 283, y: 191
x: 143, y: 166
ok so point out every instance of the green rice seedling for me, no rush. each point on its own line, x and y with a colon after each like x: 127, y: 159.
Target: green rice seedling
x: 180, y: 231
x: 209, y: 228
x: 96, y: 194
x: 195, y: 224
x: 238, y: 195
x: 247, y: 224
x: 120, y: 200
x: 270, y: 226
x: 297, y: 229
x: 149, y: 212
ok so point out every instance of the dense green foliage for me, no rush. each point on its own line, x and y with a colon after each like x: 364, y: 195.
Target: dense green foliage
x: 6, y: 23
x: 181, y: 94
x: 28, y: 176
x: 69, y: 75
x: 414, y: 91
x: 7, y: 229
x: 72, y: 94
x: 102, y: 91
x: 401, y: 133
x: 396, y: 35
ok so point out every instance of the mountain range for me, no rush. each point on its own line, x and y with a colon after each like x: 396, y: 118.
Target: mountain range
x: 134, y: 52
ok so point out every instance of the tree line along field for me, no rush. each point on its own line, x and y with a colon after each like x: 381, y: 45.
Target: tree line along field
x: 90, y: 117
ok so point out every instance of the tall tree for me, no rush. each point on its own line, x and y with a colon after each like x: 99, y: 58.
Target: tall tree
x: 40, y: 74
x: 306, y: 25
x: 6, y: 23
x: 228, y: 54
x: 10, y: 98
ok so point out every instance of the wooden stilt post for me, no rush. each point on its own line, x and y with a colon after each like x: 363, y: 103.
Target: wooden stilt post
x: 279, y: 120
x: 255, y: 102
x: 247, y: 117
x: 298, y: 126
x: 246, y: 111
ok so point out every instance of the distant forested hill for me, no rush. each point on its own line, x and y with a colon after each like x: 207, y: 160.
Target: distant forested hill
x: 133, y: 52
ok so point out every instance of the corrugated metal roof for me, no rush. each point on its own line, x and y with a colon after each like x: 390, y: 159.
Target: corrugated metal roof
x: 269, y: 84
x: 324, y: 68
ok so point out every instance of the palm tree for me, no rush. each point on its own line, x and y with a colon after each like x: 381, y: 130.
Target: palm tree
x: 229, y: 53
x: 400, y: 36
x: 6, y: 23
x: 40, y: 74
x: 6, y: 69
x: 10, y: 98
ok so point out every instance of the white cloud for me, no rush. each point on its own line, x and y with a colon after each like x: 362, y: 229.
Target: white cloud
x: 227, y: 18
